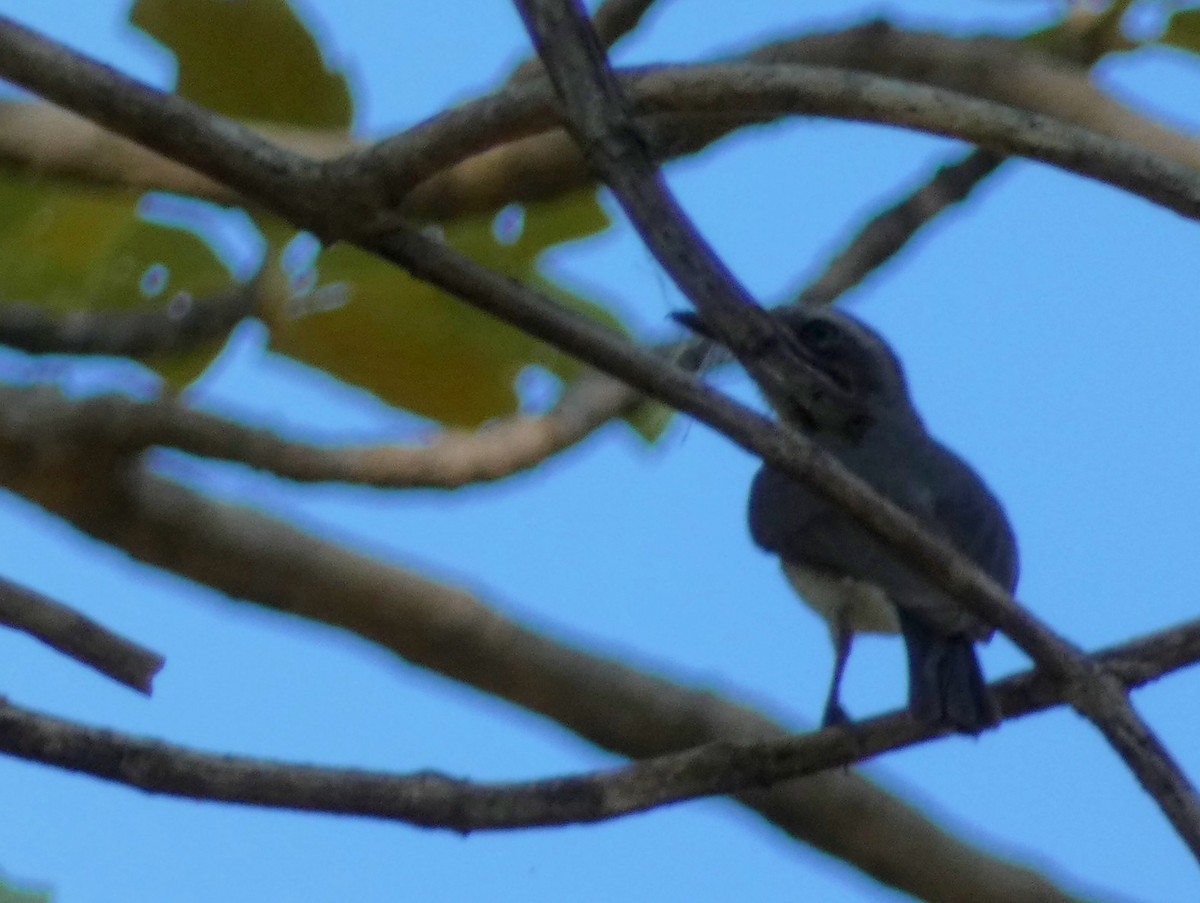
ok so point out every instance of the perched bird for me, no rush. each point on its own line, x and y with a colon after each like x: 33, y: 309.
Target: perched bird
x: 848, y: 575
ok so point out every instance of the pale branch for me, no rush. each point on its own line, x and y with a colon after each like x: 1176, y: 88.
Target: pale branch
x: 124, y: 426
x: 78, y: 637
x: 600, y: 119
x: 181, y: 324
x: 757, y: 92
x: 433, y: 800
x: 1004, y: 71
x: 51, y: 141
x: 248, y: 555
x: 891, y: 229
x: 299, y: 192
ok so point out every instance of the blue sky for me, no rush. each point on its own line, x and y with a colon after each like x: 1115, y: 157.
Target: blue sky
x: 1049, y: 331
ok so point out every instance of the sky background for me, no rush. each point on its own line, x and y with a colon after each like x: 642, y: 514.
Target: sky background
x: 1049, y: 329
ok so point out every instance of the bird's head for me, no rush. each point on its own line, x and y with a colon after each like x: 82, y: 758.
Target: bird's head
x: 850, y: 354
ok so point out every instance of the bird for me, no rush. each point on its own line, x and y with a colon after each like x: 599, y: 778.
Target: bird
x: 844, y: 572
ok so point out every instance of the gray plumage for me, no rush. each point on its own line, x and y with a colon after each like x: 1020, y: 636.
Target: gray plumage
x: 850, y: 577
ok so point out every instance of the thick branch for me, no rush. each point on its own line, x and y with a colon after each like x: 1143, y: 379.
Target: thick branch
x: 247, y: 555
x: 599, y: 117
x: 55, y: 142
x: 79, y: 637
x: 602, y: 122
x: 759, y: 92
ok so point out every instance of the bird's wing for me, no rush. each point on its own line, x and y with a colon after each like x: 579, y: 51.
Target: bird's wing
x: 971, y: 518
x: 805, y: 530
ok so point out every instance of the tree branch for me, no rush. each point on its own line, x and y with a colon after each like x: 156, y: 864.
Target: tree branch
x: 248, y: 555
x: 123, y: 426
x: 891, y: 229
x: 79, y: 637
x: 1086, y: 40
x: 760, y: 92
x: 599, y: 117
x: 182, y: 324
x: 51, y: 141
x: 614, y: 19
x: 432, y: 800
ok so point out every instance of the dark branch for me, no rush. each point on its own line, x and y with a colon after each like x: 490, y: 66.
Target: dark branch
x: 891, y: 230
x: 602, y: 122
x: 614, y: 20
x: 78, y: 637
x: 600, y: 118
x: 432, y: 800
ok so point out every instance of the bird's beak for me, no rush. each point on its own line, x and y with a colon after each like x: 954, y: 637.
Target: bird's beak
x: 693, y: 322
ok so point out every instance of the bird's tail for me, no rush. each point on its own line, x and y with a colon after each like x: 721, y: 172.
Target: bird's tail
x: 946, y: 687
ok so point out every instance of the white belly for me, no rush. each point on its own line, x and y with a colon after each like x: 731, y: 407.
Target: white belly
x: 843, y: 601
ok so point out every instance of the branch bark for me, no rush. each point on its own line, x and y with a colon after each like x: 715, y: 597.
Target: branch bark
x: 891, y: 229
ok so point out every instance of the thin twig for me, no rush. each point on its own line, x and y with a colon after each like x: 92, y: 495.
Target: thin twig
x: 183, y: 323
x: 79, y: 637
x: 890, y: 230
x: 600, y: 118
x: 432, y: 800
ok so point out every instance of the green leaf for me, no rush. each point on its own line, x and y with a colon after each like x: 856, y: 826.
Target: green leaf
x: 1183, y: 30
x: 416, y: 347
x: 12, y: 894
x: 248, y: 59
x: 1084, y: 37
x: 68, y: 249
x: 650, y: 419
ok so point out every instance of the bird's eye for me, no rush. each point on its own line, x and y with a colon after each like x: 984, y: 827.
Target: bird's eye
x: 819, y: 335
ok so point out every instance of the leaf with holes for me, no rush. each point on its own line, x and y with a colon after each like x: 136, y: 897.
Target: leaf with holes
x: 67, y: 249
x: 414, y: 346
